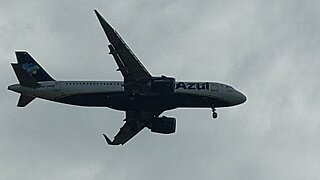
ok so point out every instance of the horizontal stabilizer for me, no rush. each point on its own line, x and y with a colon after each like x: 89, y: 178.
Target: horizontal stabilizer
x: 24, y: 100
x: 23, y: 77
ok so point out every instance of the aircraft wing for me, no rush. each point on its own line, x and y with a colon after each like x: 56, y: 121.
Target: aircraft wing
x: 135, y: 122
x: 129, y: 65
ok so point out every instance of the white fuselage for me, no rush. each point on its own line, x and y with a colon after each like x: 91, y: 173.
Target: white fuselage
x: 62, y: 91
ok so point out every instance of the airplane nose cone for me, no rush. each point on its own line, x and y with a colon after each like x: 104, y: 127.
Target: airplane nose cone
x: 242, y: 98
x: 239, y: 98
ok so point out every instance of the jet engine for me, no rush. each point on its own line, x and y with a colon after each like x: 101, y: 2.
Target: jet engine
x: 163, y: 125
x: 162, y: 85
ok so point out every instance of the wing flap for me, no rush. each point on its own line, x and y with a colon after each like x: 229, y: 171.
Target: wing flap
x: 135, y: 122
x: 119, y: 62
x: 127, y: 131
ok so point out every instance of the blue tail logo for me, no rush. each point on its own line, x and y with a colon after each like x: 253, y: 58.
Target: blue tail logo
x: 31, y: 68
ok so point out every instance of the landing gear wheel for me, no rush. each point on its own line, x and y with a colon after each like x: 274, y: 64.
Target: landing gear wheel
x: 214, y: 115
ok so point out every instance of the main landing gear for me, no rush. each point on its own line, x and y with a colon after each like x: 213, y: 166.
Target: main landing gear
x: 214, y: 113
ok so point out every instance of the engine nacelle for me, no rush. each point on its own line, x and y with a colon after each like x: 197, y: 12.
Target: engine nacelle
x: 163, y: 125
x: 162, y: 85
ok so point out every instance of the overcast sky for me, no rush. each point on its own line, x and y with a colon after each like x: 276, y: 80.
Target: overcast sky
x: 269, y: 50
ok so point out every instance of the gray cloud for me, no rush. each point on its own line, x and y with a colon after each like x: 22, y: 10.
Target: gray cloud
x: 267, y: 49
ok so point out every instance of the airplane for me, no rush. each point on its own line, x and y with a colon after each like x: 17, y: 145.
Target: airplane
x: 142, y: 96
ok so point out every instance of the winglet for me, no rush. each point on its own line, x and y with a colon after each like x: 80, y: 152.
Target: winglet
x: 108, y: 140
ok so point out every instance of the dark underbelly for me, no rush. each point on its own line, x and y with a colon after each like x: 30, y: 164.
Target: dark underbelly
x: 119, y: 101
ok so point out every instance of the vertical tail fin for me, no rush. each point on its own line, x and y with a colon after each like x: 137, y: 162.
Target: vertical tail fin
x: 28, y: 64
x: 24, y: 78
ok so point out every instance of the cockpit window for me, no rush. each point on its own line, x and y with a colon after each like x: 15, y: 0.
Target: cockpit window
x: 229, y: 88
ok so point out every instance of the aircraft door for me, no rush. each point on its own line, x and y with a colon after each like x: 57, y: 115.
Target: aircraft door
x: 57, y: 89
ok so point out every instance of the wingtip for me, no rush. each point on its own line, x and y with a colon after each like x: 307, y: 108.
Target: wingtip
x: 107, y: 139
x: 98, y: 15
x: 96, y: 11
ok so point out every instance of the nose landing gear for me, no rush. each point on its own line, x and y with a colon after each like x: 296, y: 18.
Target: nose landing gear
x: 214, y: 113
